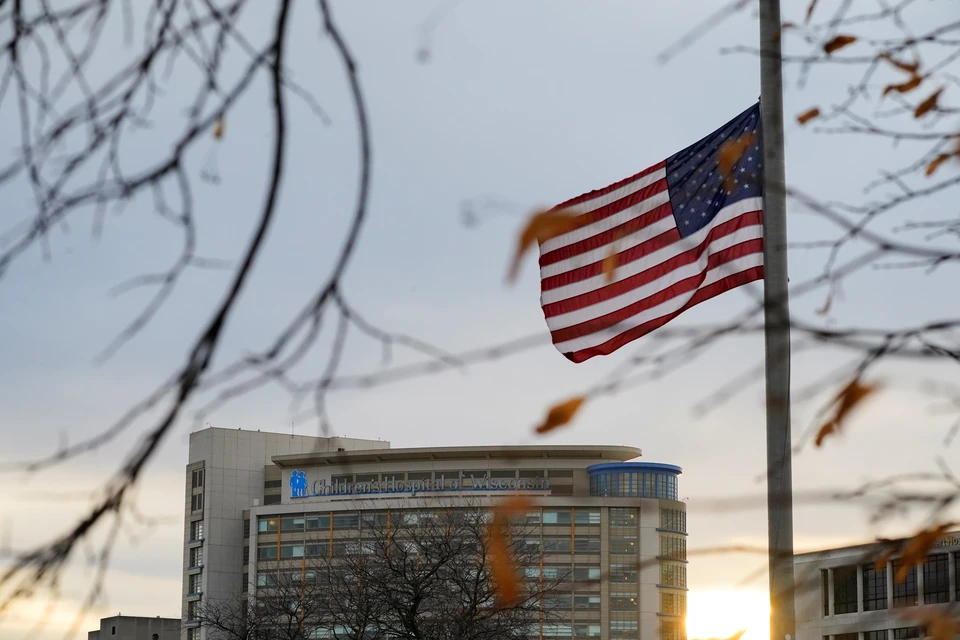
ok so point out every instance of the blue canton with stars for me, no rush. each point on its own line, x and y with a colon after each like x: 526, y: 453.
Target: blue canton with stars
x: 696, y: 183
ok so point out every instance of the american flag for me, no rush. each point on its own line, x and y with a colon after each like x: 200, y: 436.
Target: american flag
x: 680, y: 232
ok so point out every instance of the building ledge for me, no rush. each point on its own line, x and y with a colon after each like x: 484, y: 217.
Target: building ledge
x: 679, y: 533
x: 670, y: 586
x: 195, y: 567
x: 673, y: 559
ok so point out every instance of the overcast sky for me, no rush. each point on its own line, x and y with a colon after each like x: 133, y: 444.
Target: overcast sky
x: 532, y: 103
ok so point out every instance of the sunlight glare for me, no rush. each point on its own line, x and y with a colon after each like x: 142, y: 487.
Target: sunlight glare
x: 721, y: 613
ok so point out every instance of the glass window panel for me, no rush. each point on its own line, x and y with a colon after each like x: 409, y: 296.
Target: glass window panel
x: 623, y: 517
x: 874, y: 588
x: 586, y: 516
x: 905, y: 593
x: 586, y: 545
x: 845, y: 590
x: 936, y: 579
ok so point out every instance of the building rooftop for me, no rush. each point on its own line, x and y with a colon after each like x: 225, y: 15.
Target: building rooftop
x: 506, y: 452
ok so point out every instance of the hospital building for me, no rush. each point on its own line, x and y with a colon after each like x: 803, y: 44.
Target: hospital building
x: 611, y: 523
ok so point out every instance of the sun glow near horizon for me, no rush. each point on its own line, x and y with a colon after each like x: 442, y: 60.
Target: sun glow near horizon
x: 720, y: 613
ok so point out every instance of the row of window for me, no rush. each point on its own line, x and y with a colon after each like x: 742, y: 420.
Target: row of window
x: 194, y: 584
x: 673, y: 602
x: 673, y: 547
x: 673, y: 520
x: 906, y: 592
x: 569, y: 630
x: 673, y: 575
x: 429, y: 475
x: 343, y: 521
x: 635, y: 484
x: 672, y: 629
x: 901, y: 633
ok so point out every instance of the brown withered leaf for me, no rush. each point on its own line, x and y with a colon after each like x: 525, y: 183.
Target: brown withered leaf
x: 503, y: 570
x: 808, y: 115
x: 904, y: 87
x: 909, y: 67
x: 838, y: 42
x: 560, y: 414
x: 935, y: 164
x: 218, y: 128
x: 939, y: 624
x: 610, y: 264
x: 844, y: 402
x: 810, y: 8
x: 541, y: 226
x: 916, y: 549
x: 928, y: 104
x: 729, y: 155
x: 882, y: 561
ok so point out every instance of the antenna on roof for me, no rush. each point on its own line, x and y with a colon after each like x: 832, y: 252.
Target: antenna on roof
x: 291, y: 427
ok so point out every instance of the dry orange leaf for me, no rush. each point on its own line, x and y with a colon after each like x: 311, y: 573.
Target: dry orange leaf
x: 935, y: 164
x: 503, y: 570
x: 610, y: 263
x: 928, y: 104
x: 845, y: 401
x: 838, y: 42
x: 808, y: 115
x: 904, y: 87
x: 218, y: 129
x: 909, y: 67
x: 881, y: 562
x: 542, y: 226
x: 916, y: 549
x: 560, y: 414
x: 729, y: 155
x: 939, y: 624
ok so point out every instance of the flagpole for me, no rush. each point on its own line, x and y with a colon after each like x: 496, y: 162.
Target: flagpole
x: 776, y: 331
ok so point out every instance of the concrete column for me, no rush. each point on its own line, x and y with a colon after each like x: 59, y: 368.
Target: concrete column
x: 889, y: 570
x: 859, y: 588
x: 952, y: 573
x: 830, y: 591
x: 919, y: 570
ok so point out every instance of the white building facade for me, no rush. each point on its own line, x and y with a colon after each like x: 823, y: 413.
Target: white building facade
x: 614, y: 525
x: 852, y: 593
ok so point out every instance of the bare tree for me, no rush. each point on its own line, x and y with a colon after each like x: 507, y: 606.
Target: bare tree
x: 417, y: 574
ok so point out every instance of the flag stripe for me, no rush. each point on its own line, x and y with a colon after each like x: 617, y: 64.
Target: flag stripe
x: 605, y: 216
x: 648, y: 255
x: 599, y: 197
x: 680, y: 282
x: 672, y: 299
x: 707, y: 292
x: 631, y: 222
x: 572, y: 311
